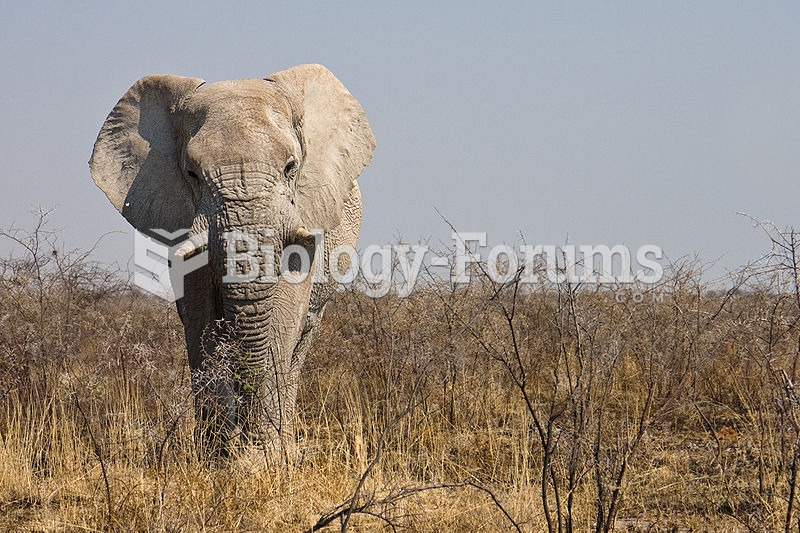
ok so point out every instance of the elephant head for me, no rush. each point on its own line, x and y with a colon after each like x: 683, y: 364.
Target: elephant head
x: 267, y: 158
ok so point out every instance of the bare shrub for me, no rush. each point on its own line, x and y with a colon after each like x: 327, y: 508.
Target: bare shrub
x: 498, y: 406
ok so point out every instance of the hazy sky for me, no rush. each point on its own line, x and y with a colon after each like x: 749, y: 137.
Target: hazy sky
x: 607, y: 122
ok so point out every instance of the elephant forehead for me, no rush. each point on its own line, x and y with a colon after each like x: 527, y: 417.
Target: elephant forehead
x: 239, y: 104
x: 249, y: 117
x: 235, y: 95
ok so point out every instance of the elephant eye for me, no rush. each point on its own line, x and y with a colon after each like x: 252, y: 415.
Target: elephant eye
x: 290, y: 169
x: 192, y: 174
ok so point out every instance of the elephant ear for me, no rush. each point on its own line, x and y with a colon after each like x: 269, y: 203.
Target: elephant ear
x: 337, y: 142
x: 136, y: 161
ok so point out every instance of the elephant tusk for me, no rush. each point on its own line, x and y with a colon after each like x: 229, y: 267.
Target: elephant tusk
x: 194, y: 245
x: 304, y: 237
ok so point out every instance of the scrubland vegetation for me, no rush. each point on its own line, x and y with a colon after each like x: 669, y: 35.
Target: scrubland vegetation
x: 476, y: 407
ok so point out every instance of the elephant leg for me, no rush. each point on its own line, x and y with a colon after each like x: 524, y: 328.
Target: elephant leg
x: 215, y: 408
x: 215, y: 399
x: 282, y: 397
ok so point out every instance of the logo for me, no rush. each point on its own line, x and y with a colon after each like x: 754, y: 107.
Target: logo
x: 163, y: 264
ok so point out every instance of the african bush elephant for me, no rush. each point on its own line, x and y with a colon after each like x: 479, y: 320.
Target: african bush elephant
x: 276, y: 158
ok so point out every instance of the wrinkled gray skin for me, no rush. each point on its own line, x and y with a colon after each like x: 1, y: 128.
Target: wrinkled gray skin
x: 251, y: 155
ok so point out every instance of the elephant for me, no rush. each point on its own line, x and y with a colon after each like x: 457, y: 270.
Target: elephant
x: 276, y: 158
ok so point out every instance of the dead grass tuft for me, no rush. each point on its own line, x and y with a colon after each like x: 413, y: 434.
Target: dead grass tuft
x: 481, y: 407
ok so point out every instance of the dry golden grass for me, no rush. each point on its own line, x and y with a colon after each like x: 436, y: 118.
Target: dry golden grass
x: 458, y: 409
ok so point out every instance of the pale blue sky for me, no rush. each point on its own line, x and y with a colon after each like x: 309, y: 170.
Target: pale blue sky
x: 624, y: 122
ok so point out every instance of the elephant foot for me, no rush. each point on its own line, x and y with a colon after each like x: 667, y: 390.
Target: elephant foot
x: 252, y: 457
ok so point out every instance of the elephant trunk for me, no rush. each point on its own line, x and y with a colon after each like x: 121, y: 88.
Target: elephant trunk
x: 264, y: 316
